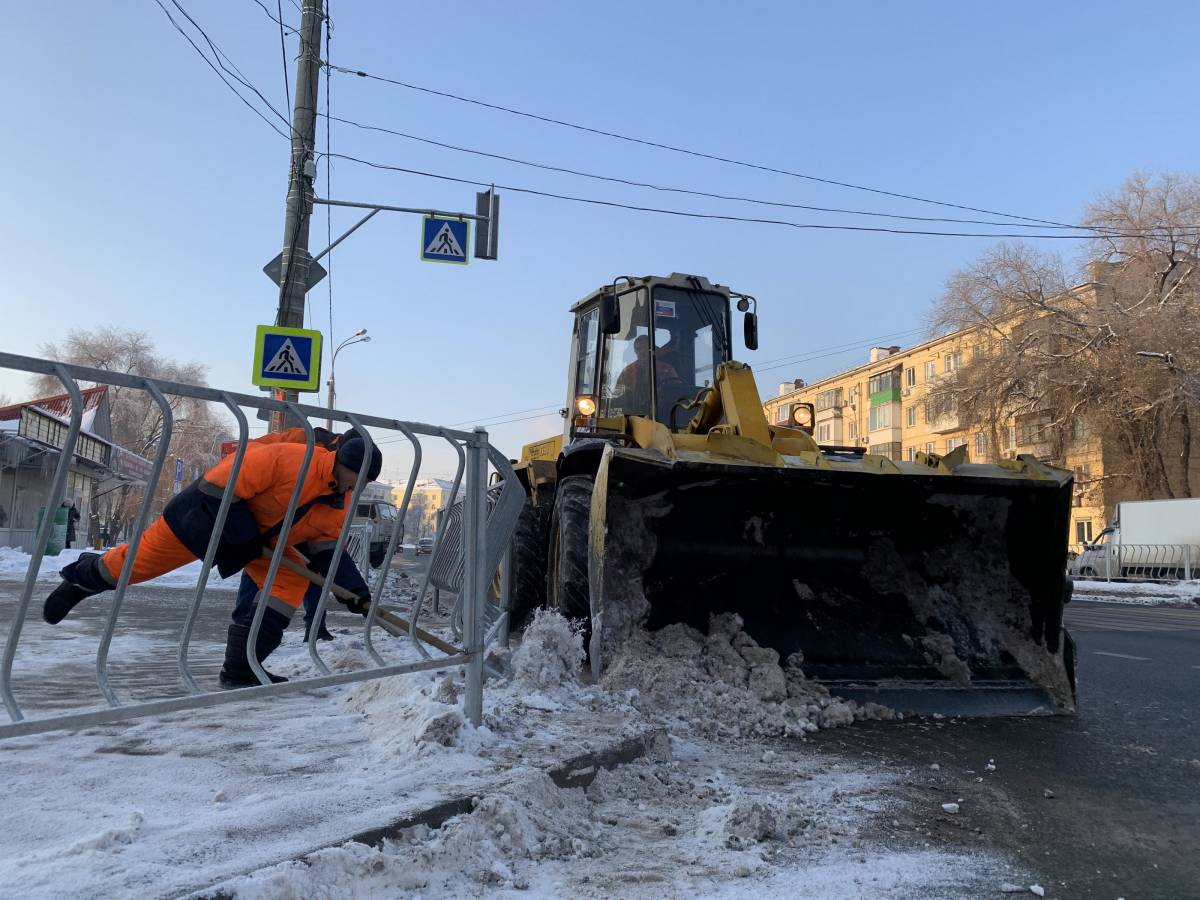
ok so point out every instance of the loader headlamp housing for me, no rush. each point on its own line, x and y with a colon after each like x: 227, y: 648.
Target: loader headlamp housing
x: 585, y: 405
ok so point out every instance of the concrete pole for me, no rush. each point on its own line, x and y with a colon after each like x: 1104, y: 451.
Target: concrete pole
x: 293, y: 279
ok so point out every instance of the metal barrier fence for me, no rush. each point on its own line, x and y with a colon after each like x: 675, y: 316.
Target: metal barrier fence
x: 1135, y: 562
x: 488, y: 517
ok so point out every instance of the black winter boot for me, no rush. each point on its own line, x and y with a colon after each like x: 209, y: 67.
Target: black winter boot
x: 62, y: 600
x: 237, y: 672
x: 82, y: 578
x: 323, y: 633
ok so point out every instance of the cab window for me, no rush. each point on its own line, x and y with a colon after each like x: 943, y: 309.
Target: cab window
x: 589, y: 335
x: 625, y: 378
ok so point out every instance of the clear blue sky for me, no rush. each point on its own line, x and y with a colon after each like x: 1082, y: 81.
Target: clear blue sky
x: 138, y: 192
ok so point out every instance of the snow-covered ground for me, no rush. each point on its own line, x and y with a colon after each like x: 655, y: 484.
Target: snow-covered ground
x: 1143, y: 593
x: 14, y: 564
x: 733, y: 803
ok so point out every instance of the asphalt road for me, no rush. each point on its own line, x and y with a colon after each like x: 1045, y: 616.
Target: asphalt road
x: 1102, y: 804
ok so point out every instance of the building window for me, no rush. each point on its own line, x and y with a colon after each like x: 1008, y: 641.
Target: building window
x: 829, y: 399
x: 880, y: 417
x: 910, y: 377
x: 1010, y: 437
x: 952, y: 362
x: 910, y: 453
x: 981, y: 446
x: 852, y: 428
x: 1083, y: 531
x: 930, y: 370
x: 977, y: 353
x: 1079, y: 430
x: 910, y: 416
x: 931, y: 447
x: 891, y: 450
x: 824, y: 433
x: 781, y: 415
x: 954, y: 443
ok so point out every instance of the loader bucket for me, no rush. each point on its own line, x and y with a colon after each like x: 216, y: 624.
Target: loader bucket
x: 927, y: 591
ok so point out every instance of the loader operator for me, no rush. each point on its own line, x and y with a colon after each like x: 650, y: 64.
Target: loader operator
x: 634, y: 380
x: 263, y: 490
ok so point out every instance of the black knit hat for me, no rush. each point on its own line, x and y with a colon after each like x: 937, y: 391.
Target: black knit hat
x: 350, y: 454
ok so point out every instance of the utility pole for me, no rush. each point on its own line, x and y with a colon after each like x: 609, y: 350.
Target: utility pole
x: 296, y: 261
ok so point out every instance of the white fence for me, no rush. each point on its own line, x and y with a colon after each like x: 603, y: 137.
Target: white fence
x: 488, y: 519
x: 1135, y: 562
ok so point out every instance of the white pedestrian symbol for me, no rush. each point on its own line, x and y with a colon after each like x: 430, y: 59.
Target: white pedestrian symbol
x: 444, y: 243
x: 286, y: 361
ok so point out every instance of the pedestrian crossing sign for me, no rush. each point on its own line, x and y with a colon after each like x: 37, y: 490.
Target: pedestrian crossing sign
x: 287, y: 358
x: 445, y: 240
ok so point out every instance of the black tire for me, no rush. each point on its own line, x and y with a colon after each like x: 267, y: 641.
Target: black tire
x: 376, y: 557
x: 567, y: 588
x: 529, y: 563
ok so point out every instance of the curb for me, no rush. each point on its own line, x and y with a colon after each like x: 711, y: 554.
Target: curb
x: 578, y: 771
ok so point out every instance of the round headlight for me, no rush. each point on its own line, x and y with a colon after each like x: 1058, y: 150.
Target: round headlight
x: 585, y: 405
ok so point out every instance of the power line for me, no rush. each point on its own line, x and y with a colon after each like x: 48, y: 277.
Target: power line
x: 691, y: 192
x: 688, y: 152
x: 218, y: 72
x: 222, y: 57
x: 808, y: 356
x: 277, y: 20
x: 287, y: 91
x: 718, y: 216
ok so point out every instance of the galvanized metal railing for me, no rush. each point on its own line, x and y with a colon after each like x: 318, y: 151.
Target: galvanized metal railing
x: 475, y: 548
x: 1135, y: 562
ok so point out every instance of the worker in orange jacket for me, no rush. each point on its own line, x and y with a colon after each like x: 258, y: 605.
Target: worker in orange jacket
x: 263, y: 490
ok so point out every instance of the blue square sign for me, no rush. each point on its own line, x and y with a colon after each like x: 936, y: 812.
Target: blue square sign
x: 445, y: 240
x: 287, y: 358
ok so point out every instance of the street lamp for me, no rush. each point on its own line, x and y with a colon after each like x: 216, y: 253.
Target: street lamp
x: 359, y: 337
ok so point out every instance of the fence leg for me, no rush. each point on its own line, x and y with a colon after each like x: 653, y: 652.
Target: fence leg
x: 1187, y: 562
x: 505, y: 596
x: 476, y: 580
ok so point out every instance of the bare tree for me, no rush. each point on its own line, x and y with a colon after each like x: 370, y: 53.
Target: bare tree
x: 137, y: 421
x: 1062, y: 360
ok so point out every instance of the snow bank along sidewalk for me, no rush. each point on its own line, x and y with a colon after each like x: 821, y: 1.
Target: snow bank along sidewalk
x: 14, y: 563
x: 1141, y: 593
x: 732, y: 803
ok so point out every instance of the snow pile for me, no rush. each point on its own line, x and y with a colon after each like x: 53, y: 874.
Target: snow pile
x: 551, y: 653
x: 726, y: 685
x: 531, y: 819
x: 408, y: 714
x: 111, y: 837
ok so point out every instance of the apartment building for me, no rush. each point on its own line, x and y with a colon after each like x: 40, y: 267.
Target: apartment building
x: 880, y: 407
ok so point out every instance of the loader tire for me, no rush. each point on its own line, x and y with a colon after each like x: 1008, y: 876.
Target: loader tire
x: 567, y: 588
x: 529, y: 563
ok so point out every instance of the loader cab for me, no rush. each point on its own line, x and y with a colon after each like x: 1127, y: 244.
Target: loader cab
x: 644, y: 347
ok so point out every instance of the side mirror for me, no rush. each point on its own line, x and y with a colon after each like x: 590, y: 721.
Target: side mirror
x: 750, y: 330
x: 610, y: 314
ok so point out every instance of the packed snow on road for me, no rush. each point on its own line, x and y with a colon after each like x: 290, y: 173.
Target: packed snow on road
x: 260, y: 799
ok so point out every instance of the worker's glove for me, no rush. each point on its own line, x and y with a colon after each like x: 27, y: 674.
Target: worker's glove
x: 360, y: 603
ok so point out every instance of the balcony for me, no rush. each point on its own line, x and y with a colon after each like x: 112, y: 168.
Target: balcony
x: 944, y: 423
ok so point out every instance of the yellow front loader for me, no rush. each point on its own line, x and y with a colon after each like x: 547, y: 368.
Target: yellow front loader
x: 935, y: 585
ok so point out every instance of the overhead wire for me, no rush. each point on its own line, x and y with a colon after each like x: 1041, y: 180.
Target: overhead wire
x: 687, y: 151
x: 278, y: 20
x: 613, y: 204
x: 234, y: 72
x: 689, y: 191
x: 218, y: 72
x: 507, y: 418
x: 287, y: 90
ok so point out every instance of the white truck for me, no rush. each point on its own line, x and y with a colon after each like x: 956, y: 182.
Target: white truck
x: 377, y: 515
x: 1147, y: 539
